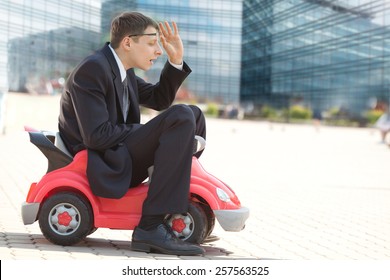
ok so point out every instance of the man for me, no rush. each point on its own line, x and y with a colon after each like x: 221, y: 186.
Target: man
x: 100, y: 113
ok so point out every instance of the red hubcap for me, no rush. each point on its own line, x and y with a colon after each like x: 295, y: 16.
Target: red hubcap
x: 178, y: 225
x: 64, y: 219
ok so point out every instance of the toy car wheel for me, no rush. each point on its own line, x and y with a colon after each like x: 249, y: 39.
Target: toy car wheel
x: 210, y: 219
x: 192, y: 226
x: 93, y: 229
x: 65, y: 218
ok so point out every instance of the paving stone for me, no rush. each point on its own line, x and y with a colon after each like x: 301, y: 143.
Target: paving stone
x: 313, y: 195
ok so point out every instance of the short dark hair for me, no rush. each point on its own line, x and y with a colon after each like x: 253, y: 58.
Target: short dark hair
x: 129, y: 23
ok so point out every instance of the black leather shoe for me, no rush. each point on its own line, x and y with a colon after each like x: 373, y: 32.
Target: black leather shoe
x: 162, y: 240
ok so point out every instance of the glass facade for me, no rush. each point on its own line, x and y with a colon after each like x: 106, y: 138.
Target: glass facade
x: 40, y: 41
x: 323, y: 53
x: 211, y: 34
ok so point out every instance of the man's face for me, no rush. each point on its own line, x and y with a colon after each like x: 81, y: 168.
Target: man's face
x: 145, y: 49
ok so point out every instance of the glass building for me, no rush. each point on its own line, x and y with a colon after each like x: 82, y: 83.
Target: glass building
x: 323, y: 53
x: 211, y: 34
x: 41, y: 41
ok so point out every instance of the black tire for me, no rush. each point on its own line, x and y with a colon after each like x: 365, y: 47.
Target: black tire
x: 93, y: 229
x: 75, y: 222
x: 192, y: 226
x: 210, y: 219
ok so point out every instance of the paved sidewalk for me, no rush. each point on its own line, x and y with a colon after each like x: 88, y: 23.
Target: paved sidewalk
x: 317, y: 195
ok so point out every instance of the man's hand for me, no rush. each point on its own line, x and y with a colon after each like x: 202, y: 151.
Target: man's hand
x: 171, y: 42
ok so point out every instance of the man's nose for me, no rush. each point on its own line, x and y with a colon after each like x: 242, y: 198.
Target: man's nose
x: 159, y: 50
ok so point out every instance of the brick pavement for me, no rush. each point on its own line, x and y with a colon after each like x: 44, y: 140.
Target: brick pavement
x: 314, y: 195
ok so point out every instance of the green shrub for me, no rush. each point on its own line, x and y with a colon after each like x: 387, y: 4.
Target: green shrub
x: 268, y: 112
x: 300, y: 112
x: 373, y: 115
x: 212, y: 110
x: 333, y: 112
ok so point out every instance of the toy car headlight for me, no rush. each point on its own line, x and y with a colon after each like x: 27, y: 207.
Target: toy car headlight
x: 223, y: 195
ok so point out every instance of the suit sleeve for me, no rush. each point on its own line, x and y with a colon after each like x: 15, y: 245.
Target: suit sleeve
x: 161, y: 95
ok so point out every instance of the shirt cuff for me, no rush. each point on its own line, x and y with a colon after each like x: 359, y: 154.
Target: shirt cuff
x: 177, y: 66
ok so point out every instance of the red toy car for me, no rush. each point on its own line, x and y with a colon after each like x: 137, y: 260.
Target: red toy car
x: 68, y: 211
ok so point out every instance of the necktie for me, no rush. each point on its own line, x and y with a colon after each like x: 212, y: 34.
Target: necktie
x: 125, y: 100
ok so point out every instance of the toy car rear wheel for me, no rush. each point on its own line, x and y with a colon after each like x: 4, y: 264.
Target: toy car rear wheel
x: 192, y: 226
x: 65, y: 218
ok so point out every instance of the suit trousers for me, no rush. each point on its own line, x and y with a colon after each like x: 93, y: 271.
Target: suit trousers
x: 167, y: 143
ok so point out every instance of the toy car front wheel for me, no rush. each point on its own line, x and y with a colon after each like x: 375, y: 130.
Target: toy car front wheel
x: 210, y: 219
x: 192, y: 226
x: 65, y: 218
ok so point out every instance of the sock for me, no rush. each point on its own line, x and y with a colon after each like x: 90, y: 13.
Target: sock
x: 150, y: 222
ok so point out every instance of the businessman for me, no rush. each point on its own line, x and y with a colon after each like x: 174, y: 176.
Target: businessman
x: 99, y: 112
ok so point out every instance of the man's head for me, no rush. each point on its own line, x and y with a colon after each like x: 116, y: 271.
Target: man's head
x: 129, y: 23
x: 134, y: 37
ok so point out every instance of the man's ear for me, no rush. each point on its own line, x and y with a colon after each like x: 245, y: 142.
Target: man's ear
x: 126, y: 43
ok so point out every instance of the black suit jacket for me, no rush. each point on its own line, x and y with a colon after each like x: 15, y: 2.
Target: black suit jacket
x: 91, y: 116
